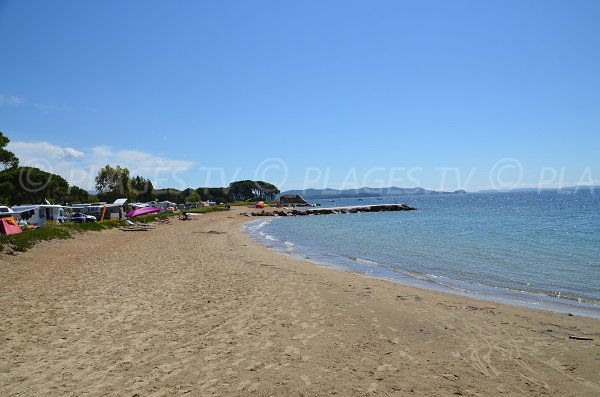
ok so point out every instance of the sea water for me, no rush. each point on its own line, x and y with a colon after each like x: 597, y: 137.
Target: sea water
x: 535, y: 249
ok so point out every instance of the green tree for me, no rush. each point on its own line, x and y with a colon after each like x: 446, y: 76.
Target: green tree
x: 7, y: 159
x: 265, y: 190
x: 113, y: 183
x: 241, y: 190
x: 7, y: 191
x: 252, y: 190
x: 28, y: 185
x: 143, y: 188
x: 78, y: 195
x: 193, y: 198
x: 170, y: 194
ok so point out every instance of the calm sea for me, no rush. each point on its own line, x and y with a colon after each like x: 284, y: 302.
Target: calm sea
x: 531, y: 249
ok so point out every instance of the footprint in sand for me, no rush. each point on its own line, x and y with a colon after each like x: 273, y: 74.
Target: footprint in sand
x: 253, y: 366
x: 291, y: 350
x: 243, y: 384
x: 405, y: 354
x: 238, y: 361
x: 208, y: 384
x: 266, y: 345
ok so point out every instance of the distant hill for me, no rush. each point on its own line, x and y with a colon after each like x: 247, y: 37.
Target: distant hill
x: 312, y: 194
x: 545, y: 189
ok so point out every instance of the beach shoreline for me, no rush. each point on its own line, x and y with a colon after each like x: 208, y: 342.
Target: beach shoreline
x: 198, y: 307
x: 375, y: 270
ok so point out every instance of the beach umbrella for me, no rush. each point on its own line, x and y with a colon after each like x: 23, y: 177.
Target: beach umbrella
x: 142, y: 211
x: 261, y: 204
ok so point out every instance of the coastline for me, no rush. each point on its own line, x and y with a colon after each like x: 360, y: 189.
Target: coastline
x: 372, y: 269
x: 198, y: 307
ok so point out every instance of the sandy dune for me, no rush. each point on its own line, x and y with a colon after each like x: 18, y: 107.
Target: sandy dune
x: 195, y: 308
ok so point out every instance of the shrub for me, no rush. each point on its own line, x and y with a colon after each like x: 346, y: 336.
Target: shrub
x: 23, y: 241
x: 27, y: 239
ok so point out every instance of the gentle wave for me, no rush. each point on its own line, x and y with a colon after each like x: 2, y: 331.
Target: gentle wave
x: 255, y: 226
x: 510, y: 248
x: 365, y: 261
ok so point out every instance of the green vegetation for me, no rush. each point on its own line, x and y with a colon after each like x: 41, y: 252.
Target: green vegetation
x: 27, y: 239
x: 29, y: 185
x: 201, y: 210
x: 152, y: 217
x: 23, y: 241
x: 252, y: 190
x: 240, y: 203
x: 7, y: 159
x: 237, y: 192
x: 21, y: 185
x: 113, y: 183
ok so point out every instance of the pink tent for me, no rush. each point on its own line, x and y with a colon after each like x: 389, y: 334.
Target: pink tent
x: 142, y: 211
x: 9, y: 226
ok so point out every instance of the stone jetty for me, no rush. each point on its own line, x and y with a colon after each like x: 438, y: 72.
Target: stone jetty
x: 332, y: 210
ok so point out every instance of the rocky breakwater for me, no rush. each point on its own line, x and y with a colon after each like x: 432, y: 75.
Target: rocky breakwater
x: 333, y: 210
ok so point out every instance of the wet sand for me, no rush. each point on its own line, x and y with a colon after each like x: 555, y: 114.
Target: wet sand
x: 196, y: 308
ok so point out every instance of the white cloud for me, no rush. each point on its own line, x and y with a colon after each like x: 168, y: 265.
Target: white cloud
x: 10, y: 100
x: 80, y: 168
x: 30, y: 150
x: 73, y: 153
x: 157, y: 169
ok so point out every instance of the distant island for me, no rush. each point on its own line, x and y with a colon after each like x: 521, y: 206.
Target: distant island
x: 312, y: 194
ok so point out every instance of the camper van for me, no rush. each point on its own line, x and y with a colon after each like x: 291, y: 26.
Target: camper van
x: 41, y: 213
x: 101, y: 210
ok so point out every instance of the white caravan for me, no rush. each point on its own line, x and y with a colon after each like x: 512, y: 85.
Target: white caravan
x: 38, y: 214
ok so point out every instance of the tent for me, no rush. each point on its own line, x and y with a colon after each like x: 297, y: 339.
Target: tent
x: 9, y: 226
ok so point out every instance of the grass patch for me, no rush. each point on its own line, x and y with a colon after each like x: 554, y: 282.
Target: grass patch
x: 23, y: 241
x: 152, y: 217
x: 241, y: 203
x: 201, y: 210
x: 93, y: 226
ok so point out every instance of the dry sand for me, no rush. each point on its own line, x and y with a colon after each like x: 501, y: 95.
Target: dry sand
x: 196, y: 308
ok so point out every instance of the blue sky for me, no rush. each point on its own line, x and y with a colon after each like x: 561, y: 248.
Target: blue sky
x: 341, y: 94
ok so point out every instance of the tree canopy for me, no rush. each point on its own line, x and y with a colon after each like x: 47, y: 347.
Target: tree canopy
x: 78, y: 195
x: 252, y: 190
x: 115, y: 182
x: 7, y: 158
x: 28, y: 185
x: 143, y: 188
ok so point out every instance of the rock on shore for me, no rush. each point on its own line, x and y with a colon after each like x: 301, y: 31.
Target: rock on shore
x: 334, y: 210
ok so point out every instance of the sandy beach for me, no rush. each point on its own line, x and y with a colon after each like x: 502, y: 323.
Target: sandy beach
x: 197, y: 308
